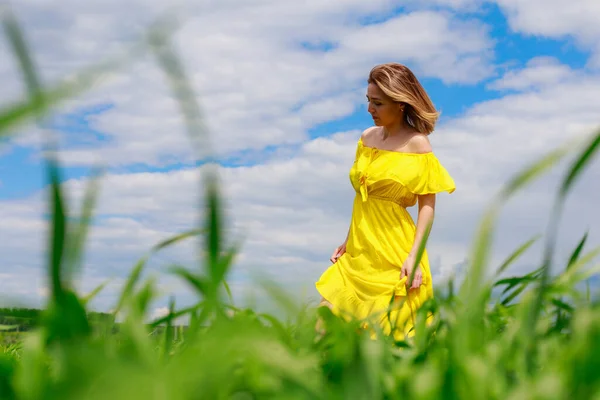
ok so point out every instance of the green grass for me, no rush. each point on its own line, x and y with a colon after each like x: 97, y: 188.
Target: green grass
x: 539, y: 340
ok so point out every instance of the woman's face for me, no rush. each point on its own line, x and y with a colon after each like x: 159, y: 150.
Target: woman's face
x: 384, y: 110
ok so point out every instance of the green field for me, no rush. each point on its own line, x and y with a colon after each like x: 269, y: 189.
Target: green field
x: 540, y: 339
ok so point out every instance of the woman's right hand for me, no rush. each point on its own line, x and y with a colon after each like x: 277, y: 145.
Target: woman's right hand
x: 338, y: 252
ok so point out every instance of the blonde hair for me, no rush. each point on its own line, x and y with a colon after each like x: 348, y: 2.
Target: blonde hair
x: 401, y: 85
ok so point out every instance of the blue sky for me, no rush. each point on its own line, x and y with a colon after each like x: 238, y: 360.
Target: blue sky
x: 285, y: 119
x: 22, y: 173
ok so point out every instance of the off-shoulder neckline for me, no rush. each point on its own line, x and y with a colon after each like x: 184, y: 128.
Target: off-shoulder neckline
x: 361, y: 143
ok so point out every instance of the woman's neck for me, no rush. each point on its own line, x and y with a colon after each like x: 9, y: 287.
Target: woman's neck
x: 396, y: 129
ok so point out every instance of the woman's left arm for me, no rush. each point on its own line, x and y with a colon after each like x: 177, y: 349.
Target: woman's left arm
x: 425, y: 218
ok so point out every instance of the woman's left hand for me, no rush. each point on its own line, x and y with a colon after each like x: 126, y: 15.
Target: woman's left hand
x: 407, y: 271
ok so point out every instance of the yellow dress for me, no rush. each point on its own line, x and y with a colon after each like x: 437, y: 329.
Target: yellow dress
x: 362, y: 281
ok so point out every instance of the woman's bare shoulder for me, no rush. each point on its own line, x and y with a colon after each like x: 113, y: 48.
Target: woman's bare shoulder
x: 367, y: 133
x: 419, y: 143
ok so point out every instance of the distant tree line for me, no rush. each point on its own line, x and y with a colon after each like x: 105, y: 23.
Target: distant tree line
x: 31, y: 313
x: 28, y: 318
x: 25, y: 318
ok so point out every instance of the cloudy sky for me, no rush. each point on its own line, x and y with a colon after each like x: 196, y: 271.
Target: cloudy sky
x: 282, y: 87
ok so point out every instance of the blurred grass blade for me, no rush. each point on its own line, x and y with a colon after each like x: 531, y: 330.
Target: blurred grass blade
x: 65, y: 318
x: 516, y: 254
x: 201, y: 285
x: 77, y: 237
x: 535, y: 170
x: 142, y: 298
x: 90, y: 296
x: 562, y: 305
x: 169, y: 329
x: 12, y: 115
x: 585, y: 275
x: 582, y: 161
x: 482, y: 245
x: 31, y: 380
x: 588, y: 295
x: 58, y: 233
x: 174, y: 315
x: 187, y: 100
x: 281, y: 330
x: 279, y: 295
x: 182, y: 89
x: 19, y: 46
x: 473, y: 291
x: 566, y: 278
x: 577, y: 168
x: 129, y: 286
x: 228, y: 290
x: 224, y: 263
x: 577, y: 251
x: 176, y: 239
x: 137, y: 270
x: 481, y: 248
x: 58, y: 228
x: 515, y: 280
x: 531, y: 318
x: 214, y: 229
x: 510, y: 297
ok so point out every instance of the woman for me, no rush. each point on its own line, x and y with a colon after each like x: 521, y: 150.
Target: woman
x: 394, y: 168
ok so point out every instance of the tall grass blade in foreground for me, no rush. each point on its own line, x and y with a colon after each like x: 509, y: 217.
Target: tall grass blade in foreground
x: 66, y: 315
x: 516, y: 254
x: 474, y: 292
x: 19, y: 46
x: 77, y: 234
x: 532, y: 316
x: 218, y: 260
x: 136, y: 273
x: 577, y: 252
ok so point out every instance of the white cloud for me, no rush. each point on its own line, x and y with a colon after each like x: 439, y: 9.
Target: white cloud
x: 257, y: 83
x: 518, y: 125
x: 556, y: 19
x: 560, y: 18
x: 539, y: 72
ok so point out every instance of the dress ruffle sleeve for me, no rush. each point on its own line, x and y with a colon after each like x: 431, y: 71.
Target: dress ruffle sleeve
x: 429, y: 176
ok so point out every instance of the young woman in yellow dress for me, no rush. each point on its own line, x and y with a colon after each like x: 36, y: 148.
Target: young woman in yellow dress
x: 394, y: 169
